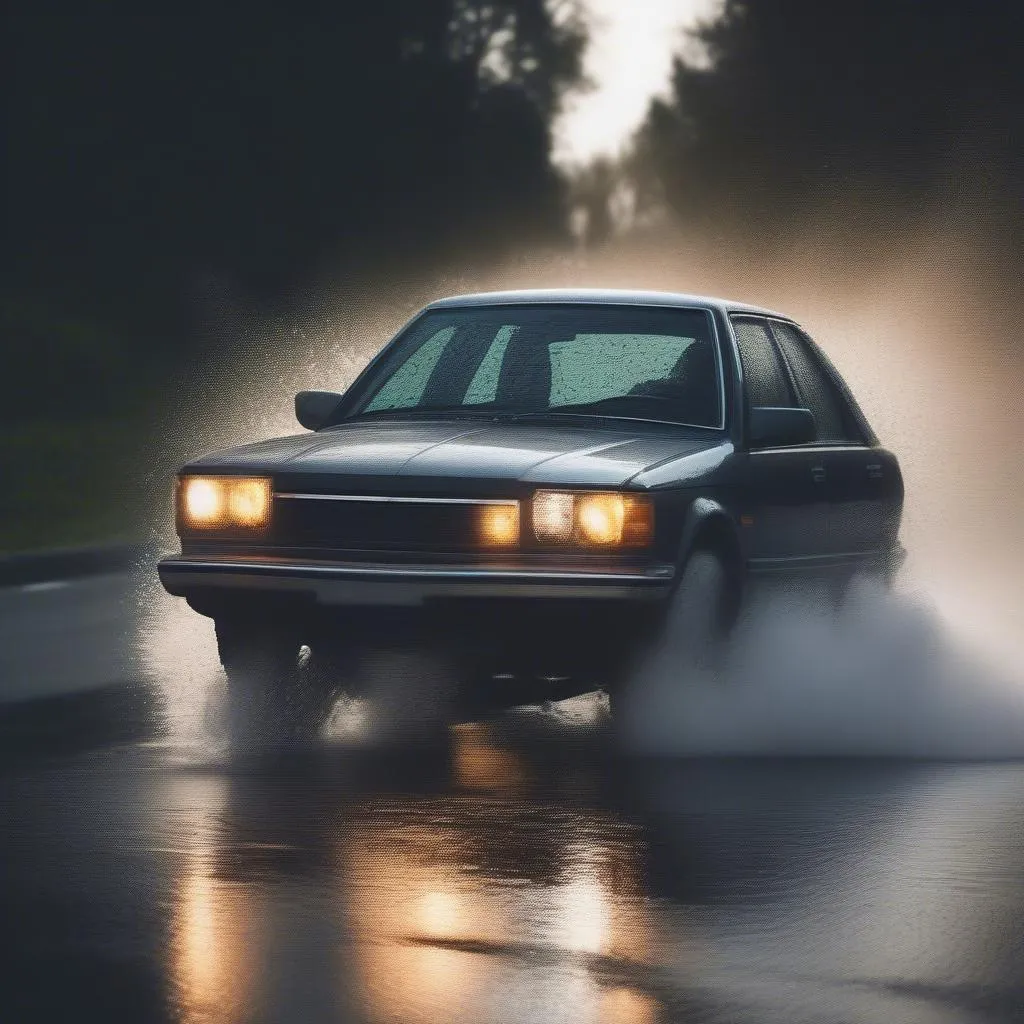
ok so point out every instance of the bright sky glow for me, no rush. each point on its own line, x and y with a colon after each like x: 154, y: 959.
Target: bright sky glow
x: 629, y: 59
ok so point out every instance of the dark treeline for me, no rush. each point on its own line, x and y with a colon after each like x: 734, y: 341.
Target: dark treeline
x: 798, y: 104
x: 154, y: 160
x: 155, y: 164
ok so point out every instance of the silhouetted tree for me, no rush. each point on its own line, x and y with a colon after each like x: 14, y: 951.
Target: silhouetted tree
x: 797, y: 101
x: 592, y: 188
x: 150, y: 153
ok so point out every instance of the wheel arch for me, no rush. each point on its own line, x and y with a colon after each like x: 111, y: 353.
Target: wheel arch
x: 708, y: 526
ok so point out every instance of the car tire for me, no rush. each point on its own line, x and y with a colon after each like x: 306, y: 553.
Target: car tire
x: 272, y: 698
x: 692, y: 631
x: 699, y: 614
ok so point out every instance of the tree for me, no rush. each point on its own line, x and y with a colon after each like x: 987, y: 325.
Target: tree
x: 148, y: 153
x: 797, y: 103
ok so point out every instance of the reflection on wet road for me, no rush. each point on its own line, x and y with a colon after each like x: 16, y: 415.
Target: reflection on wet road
x: 518, y: 873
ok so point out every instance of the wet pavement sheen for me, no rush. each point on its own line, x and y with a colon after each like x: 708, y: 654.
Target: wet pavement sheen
x: 518, y: 872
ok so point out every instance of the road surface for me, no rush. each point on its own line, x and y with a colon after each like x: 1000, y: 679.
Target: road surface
x: 516, y: 872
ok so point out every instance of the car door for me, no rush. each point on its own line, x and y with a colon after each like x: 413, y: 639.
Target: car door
x: 860, y: 481
x: 783, y: 501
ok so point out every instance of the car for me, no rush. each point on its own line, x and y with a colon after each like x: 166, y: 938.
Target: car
x: 532, y: 488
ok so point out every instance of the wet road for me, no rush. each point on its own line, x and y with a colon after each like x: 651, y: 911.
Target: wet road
x: 515, y: 873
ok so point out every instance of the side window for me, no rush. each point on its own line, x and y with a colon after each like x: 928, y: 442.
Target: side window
x: 814, y: 386
x: 407, y: 383
x: 765, y: 379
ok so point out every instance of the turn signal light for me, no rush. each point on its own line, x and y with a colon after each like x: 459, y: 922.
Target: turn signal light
x: 499, y: 524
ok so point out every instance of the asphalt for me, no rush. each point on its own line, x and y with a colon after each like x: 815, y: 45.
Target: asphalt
x: 513, y: 869
x: 517, y: 871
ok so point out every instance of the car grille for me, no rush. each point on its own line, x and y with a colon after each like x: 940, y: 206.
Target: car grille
x: 376, y: 524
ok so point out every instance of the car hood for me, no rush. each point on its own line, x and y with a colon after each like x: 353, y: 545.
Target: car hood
x: 578, y: 455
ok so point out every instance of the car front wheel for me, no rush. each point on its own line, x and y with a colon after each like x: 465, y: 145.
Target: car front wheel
x: 699, y: 613
x: 690, y: 635
x: 272, y: 697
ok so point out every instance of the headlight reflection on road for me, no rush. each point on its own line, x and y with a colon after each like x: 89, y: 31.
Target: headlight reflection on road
x: 626, y: 1006
x: 440, y: 914
x: 403, y: 915
x: 464, y: 906
x: 455, y: 906
x: 215, y: 941
x: 597, y: 907
x: 584, y: 913
x: 479, y: 764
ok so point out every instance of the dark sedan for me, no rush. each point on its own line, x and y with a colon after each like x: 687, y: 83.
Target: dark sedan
x: 531, y: 485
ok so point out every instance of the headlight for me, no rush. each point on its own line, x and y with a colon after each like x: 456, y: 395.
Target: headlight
x: 593, y: 519
x: 224, y: 502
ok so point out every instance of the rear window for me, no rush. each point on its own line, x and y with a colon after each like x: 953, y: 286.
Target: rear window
x: 815, y: 388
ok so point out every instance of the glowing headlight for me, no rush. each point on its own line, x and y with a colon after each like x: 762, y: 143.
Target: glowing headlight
x: 223, y: 502
x: 595, y: 519
x: 203, y: 500
x: 601, y: 517
x: 249, y: 502
x: 499, y: 524
x: 553, y: 517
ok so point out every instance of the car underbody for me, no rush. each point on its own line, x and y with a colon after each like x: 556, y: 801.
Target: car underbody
x: 507, y: 636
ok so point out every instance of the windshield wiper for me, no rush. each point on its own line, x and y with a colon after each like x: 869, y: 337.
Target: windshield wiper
x: 473, y: 411
x: 504, y: 414
x: 557, y: 413
x: 595, y: 407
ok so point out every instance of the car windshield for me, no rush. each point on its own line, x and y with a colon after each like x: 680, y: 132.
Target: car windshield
x: 630, y: 362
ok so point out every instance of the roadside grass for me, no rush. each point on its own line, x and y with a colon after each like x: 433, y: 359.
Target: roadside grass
x: 65, y: 484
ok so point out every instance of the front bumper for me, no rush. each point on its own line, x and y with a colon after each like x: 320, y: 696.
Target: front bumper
x: 375, y: 584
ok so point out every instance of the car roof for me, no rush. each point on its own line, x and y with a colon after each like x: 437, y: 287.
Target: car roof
x: 599, y: 296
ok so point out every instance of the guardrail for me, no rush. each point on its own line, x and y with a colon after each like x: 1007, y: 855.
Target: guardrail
x: 68, y: 563
x: 69, y: 674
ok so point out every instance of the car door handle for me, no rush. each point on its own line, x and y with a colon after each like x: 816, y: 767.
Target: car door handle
x: 818, y: 474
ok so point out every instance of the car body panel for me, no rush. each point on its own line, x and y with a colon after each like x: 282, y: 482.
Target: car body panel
x: 566, y: 452
x: 387, y: 584
x: 865, y: 494
x: 600, y: 296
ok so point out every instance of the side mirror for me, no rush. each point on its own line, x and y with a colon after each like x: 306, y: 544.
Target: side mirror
x: 777, y: 427
x: 313, y: 409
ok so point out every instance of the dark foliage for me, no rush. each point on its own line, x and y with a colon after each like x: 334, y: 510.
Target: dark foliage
x: 150, y: 158
x: 800, y: 102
